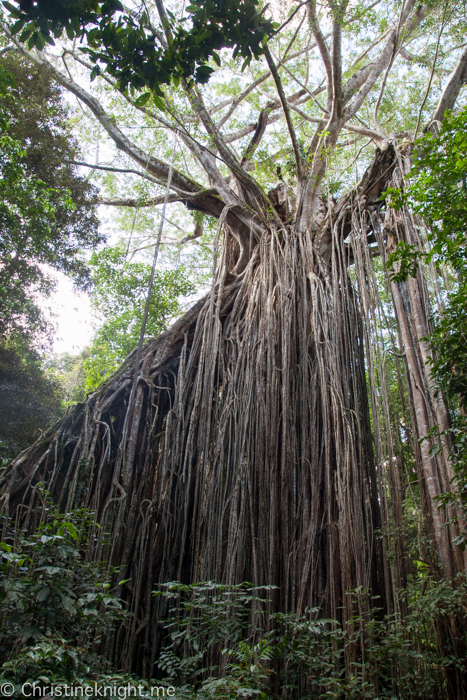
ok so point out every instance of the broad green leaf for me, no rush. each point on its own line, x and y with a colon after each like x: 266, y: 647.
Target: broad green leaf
x: 142, y: 99
x: 43, y: 594
x: 72, y: 530
x: 159, y: 102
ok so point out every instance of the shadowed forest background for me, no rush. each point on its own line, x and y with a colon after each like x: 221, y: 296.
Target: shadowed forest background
x: 252, y: 482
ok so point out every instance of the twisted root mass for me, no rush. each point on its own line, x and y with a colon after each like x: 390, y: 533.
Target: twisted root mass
x: 241, y: 447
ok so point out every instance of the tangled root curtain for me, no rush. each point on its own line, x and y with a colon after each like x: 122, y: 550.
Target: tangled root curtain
x: 241, y: 447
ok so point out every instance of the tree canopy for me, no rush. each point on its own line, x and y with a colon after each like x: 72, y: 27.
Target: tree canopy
x: 120, y: 287
x: 30, y: 401
x: 47, y: 211
x: 133, y: 51
x: 438, y: 191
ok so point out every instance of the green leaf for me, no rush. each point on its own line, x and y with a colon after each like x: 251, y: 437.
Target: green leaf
x: 246, y: 63
x: 14, y: 11
x: 204, y: 35
x: 49, y: 39
x: 95, y: 71
x: 32, y: 41
x: 40, y: 41
x: 204, y: 70
x: 159, y: 102
x: 68, y: 605
x: 46, y: 538
x: 72, y: 530
x: 17, y: 26
x: 142, y: 99
x: 29, y: 632
x: 43, y: 594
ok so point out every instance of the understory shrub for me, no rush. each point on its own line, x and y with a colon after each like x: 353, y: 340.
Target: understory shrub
x: 58, y: 611
x: 56, y: 608
x: 223, y: 643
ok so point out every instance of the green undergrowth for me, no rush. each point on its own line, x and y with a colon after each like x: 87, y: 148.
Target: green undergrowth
x: 56, y: 608
x: 222, y: 642
x: 58, y: 613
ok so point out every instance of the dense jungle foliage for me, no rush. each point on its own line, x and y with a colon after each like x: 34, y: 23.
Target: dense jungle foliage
x: 55, y: 608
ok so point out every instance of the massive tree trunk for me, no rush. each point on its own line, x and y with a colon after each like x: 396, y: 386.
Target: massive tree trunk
x: 242, y: 450
x: 239, y: 445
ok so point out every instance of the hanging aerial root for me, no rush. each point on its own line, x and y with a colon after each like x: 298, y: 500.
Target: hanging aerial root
x: 245, y: 452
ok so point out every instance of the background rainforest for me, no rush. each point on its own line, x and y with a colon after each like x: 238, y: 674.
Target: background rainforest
x: 258, y: 486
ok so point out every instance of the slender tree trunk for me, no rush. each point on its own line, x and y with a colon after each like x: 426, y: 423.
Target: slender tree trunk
x: 412, y: 309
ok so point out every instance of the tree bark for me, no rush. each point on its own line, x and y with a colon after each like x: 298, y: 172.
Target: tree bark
x: 245, y: 453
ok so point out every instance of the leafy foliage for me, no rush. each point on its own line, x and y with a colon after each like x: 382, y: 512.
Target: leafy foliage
x: 68, y: 370
x: 120, y: 289
x: 30, y: 400
x: 439, y: 188
x: 45, y: 211
x: 438, y: 192
x: 275, y: 655
x: 204, y: 616
x: 130, y: 47
x: 449, y: 341
x: 52, y: 599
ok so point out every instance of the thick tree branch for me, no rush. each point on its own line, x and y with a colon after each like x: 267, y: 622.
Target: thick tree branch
x: 136, y: 203
x: 337, y: 101
x: 406, y: 30
x: 379, y: 65
x: 189, y: 199
x: 152, y: 165
x: 111, y: 169
x: 246, y: 180
x: 197, y: 102
x: 237, y: 209
x: 153, y: 201
x: 257, y: 136
x: 288, y: 118
x: 386, y: 56
x: 452, y: 88
x: 356, y: 81
x: 323, y: 49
